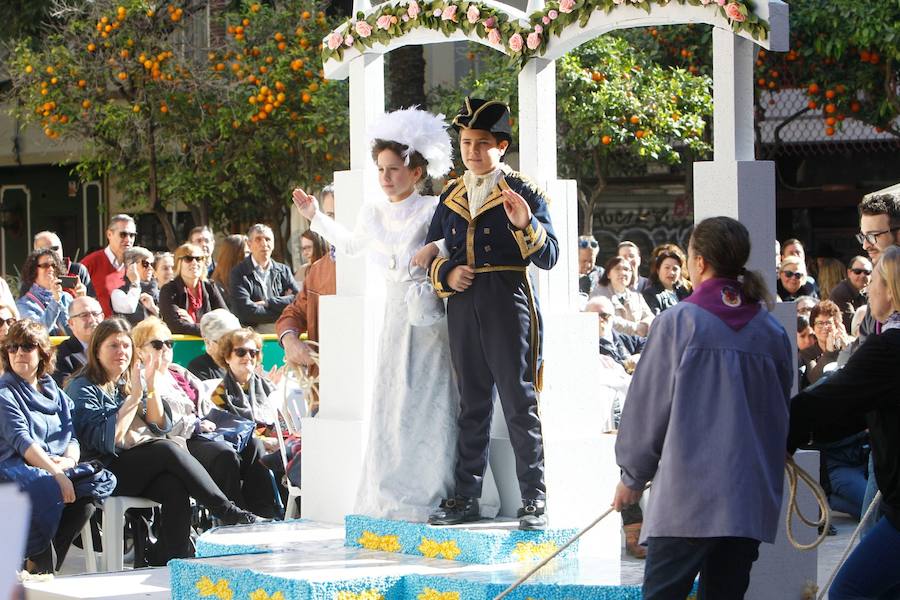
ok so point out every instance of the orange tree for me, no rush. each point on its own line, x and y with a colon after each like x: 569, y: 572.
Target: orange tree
x: 613, y: 100
x: 167, y: 121
x: 271, y: 120
x: 845, y: 55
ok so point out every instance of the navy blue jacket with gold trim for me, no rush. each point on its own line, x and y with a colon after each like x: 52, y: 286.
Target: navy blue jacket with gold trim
x: 490, y: 242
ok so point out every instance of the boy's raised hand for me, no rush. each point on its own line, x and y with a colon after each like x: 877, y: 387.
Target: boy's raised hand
x: 517, y: 210
x: 305, y: 203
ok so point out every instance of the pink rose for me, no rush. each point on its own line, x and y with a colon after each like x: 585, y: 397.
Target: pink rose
x: 490, y: 22
x: 383, y: 22
x: 553, y: 15
x: 534, y: 40
x: 473, y: 13
x: 405, y: 18
x: 363, y: 29
x: 348, y: 40
x: 437, y: 12
x: 545, y: 20
x: 734, y: 12
x: 449, y: 13
x: 494, y: 37
x: 335, y: 40
x: 721, y: 2
x: 566, y: 6
x: 539, y: 29
x: 413, y: 9
x: 516, y: 42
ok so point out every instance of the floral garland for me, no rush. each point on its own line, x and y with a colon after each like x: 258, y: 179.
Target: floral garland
x: 521, y: 40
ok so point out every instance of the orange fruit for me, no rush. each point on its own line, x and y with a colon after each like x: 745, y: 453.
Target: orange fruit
x: 830, y: 108
x: 634, y: 119
x: 813, y: 89
x: 607, y: 140
x: 86, y: 104
x: 830, y: 94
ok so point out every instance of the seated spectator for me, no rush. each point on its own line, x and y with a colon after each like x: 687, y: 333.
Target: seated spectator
x: 138, y: 298
x: 260, y: 287
x: 232, y: 251
x: 805, y: 305
x: 624, y: 349
x: 831, y: 272
x: 792, y: 280
x: 243, y: 391
x: 844, y: 473
x: 830, y: 340
x: 185, y: 299
x: 805, y: 335
x: 7, y: 318
x: 313, y: 247
x: 48, y: 239
x: 42, y: 297
x: 633, y: 316
x: 850, y: 294
x: 120, y: 420
x: 38, y: 447
x: 632, y: 253
x: 667, y: 284
x: 794, y: 247
x: 85, y: 314
x: 203, y: 236
x: 240, y: 475
x: 163, y: 268
x: 588, y: 270
x: 107, y: 266
x: 213, y: 325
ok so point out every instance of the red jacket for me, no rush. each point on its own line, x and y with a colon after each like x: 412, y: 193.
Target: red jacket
x: 105, y: 278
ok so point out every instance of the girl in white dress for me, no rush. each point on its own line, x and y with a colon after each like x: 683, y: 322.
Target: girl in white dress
x: 411, y: 452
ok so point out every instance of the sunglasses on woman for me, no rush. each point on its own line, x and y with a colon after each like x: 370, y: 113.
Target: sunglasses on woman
x: 242, y: 352
x: 793, y: 274
x: 27, y: 347
x: 587, y: 244
x: 8, y: 322
x: 158, y: 344
x: 190, y: 258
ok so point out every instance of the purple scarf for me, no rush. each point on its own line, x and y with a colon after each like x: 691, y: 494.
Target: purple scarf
x: 723, y: 298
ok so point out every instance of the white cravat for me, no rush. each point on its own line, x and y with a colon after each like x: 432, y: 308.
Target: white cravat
x: 479, y: 187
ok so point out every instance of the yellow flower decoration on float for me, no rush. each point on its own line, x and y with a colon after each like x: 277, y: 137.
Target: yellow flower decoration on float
x: 219, y: 589
x: 385, y: 543
x: 528, y: 551
x: 433, y: 594
x: 433, y: 548
x: 261, y: 594
x: 371, y: 594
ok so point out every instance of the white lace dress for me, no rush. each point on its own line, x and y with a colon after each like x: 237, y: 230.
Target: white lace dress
x: 411, y: 451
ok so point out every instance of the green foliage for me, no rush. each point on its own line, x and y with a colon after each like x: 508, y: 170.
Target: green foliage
x: 611, y: 98
x: 170, y: 120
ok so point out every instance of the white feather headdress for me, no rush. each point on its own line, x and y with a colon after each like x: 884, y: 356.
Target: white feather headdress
x: 420, y: 131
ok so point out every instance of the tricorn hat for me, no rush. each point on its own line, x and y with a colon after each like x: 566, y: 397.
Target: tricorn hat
x: 487, y: 115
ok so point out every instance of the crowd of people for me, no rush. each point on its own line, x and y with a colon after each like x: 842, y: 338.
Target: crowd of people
x: 109, y: 412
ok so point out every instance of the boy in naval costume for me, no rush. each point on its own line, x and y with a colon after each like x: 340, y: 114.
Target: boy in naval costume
x: 490, y: 225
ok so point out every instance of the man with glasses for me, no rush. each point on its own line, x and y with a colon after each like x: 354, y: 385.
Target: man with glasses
x: 261, y: 288
x: 588, y: 270
x: 49, y: 239
x: 138, y: 297
x: 85, y: 313
x: 203, y: 236
x: 107, y: 266
x: 850, y: 293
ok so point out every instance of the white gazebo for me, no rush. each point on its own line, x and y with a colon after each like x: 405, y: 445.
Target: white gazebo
x: 580, y: 468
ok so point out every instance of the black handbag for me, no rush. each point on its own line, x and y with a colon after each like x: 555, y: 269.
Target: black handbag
x: 230, y: 428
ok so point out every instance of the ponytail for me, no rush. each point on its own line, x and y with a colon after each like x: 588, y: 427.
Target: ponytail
x: 755, y: 289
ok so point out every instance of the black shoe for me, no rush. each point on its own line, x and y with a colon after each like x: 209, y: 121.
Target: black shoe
x: 232, y: 515
x: 831, y: 529
x: 454, y: 511
x: 531, y: 515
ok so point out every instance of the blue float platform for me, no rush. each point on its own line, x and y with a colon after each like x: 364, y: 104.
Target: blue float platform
x: 304, y: 560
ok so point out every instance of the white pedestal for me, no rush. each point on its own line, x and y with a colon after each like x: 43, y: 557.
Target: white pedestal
x: 331, y: 462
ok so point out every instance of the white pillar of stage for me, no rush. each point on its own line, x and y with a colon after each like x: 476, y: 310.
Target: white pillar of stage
x: 349, y: 326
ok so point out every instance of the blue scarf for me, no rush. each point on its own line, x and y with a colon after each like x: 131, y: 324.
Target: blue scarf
x: 43, y: 295
x: 45, y: 399
x: 892, y: 322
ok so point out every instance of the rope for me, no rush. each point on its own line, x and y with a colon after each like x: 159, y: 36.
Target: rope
x: 558, y: 551
x: 795, y: 473
x: 869, y: 512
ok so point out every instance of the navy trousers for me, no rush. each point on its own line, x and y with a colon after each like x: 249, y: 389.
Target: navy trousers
x: 723, y: 563
x: 491, y: 344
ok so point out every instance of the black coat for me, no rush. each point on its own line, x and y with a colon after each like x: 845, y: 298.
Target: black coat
x: 70, y: 356
x: 204, y: 367
x: 861, y: 395
x: 246, y: 288
x: 140, y: 313
x: 622, y: 346
x: 174, y: 295
x: 659, y: 300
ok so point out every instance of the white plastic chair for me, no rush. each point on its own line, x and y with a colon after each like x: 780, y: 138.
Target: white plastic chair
x: 113, y: 529
x: 293, y: 409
